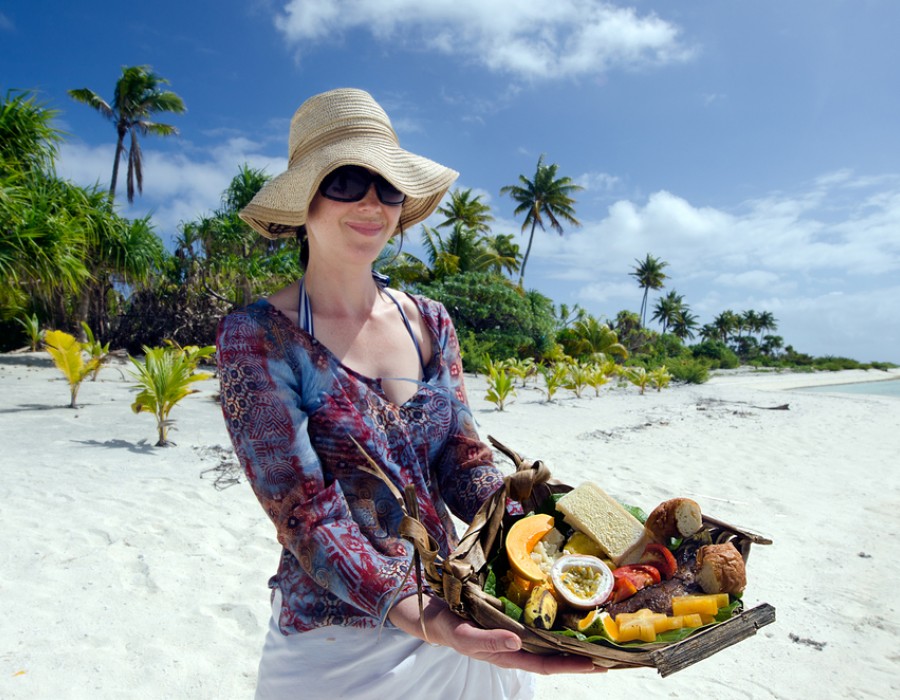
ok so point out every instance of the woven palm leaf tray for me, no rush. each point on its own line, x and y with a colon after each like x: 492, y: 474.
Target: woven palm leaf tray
x: 460, y: 581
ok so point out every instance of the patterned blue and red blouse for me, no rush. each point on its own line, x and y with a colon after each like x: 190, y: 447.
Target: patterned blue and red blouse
x: 290, y: 407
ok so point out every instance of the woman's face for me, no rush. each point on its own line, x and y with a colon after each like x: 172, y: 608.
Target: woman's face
x: 349, y: 233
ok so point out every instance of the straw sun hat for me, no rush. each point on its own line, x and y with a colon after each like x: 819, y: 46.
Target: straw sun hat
x: 343, y: 127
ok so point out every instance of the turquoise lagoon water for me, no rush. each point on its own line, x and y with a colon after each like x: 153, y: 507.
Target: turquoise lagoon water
x: 888, y: 387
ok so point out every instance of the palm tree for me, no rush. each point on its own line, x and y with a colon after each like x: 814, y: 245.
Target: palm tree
x: 500, y: 253
x: 767, y: 322
x: 708, y: 331
x: 649, y: 274
x: 667, y: 309
x: 595, y: 338
x: 684, y: 324
x: 138, y: 95
x: 726, y: 323
x: 749, y: 321
x: 164, y: 378
x: 771, y: 344
x: 546, y: 195
x: 452, y: 253
x: 468, y: 210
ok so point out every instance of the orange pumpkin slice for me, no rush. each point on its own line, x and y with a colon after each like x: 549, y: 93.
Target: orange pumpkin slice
x: 520, y: 541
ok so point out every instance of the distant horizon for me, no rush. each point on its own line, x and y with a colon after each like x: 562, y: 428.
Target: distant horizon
x: 752, y: 148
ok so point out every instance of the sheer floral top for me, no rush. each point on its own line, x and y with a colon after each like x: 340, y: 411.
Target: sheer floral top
x: 290, y: 407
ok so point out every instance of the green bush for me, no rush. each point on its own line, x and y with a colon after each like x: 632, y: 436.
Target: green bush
x: 475, y: 352
x: 509, y: 323
x: 718, y: 355
x: 666, y: 346
x: 688, y: 370
x: 835, y: 364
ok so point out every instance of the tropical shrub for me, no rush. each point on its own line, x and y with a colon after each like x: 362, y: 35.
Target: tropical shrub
x: 555, y: 377
x: 500, y: 385
x: 831, y: 363
x: 688, y: 370
x: 577, y: 377
x: 599, y: 374
x: 67, y: 354
x: 97, y: 351
x: 587, y: 337
x: 638, y: 376
x: 33, y: 331
x: 495, y: 310
x: 475, y: 352
x: 660, y: 377
x: 522, y: 369
x: 719, y: 355
x: 164, y: 378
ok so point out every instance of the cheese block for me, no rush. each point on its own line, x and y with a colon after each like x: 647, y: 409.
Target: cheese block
x: 589, y: 509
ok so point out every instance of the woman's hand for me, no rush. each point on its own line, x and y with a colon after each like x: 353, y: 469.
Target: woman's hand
x: 499, y: 647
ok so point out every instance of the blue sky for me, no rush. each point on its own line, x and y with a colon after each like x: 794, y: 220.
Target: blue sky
x: 751, y: 145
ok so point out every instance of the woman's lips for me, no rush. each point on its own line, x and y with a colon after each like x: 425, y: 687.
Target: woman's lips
x: 367, y: 228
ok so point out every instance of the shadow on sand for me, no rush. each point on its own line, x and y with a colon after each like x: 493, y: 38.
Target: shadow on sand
x: 26, y: 359
x: 142, y: 447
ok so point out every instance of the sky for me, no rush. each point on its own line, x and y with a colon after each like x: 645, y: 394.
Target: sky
x: 754, y: 146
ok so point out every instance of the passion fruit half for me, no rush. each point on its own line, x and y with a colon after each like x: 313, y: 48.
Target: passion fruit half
x: 582, y: 581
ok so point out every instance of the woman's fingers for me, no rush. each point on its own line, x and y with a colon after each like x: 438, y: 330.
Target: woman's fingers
x: 502, y: 648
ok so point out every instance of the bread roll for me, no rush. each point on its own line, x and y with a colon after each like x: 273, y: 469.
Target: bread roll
x: 590, y: 510
x: 677, y: 517
x: 720, y: 569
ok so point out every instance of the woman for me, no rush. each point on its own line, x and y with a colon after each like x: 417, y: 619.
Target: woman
x: 337, y: 356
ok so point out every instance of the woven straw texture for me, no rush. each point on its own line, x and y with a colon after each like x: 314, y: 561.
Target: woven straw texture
x: 344, y: 127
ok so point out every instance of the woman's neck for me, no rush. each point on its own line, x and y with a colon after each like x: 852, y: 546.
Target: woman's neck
x: 341, y: 293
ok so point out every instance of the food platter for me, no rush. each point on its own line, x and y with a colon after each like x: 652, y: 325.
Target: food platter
x: 464, y: 580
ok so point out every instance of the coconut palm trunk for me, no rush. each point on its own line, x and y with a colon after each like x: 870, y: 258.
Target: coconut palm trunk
x: 527, y: 253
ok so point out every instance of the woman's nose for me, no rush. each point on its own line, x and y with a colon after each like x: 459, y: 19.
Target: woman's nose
x: 371, y: 196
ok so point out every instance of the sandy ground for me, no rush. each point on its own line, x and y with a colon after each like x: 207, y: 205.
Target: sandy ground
x: 124, y: 572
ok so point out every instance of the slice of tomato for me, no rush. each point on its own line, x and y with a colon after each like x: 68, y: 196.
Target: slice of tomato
x: 624, y: 588
x: 640, y: 575
x: 659, y: 556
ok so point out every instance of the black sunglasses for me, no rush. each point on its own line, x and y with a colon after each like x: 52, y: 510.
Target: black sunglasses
x: 349, y: 183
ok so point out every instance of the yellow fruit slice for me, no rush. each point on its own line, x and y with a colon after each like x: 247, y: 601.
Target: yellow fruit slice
x: 518, y: 590
x: 520, y: 541
x: 579, y: 543
x: 693, y: 620
x: 702, y: 604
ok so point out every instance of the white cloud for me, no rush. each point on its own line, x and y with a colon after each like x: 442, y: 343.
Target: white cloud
x: 823, y: 263
x: 6, y: 24
x: 528, y: 38
x: 597, y: 182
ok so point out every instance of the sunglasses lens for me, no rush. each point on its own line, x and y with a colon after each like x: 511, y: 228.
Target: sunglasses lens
x: 387, y: 193
x: 350, y: 183
x: 346, y: 184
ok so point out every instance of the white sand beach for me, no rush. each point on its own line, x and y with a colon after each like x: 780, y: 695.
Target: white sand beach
x: 124, y: 573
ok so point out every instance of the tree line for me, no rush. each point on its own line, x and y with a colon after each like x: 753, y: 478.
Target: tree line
x: 67, y: 257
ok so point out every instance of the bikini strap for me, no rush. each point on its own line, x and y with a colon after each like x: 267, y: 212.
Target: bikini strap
x: 408, y: 329
x: 304, y: 310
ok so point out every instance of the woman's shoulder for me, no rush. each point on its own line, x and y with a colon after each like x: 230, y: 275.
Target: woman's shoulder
x: 251, y: 325
x: 258, y: 315
x: 431, y: 310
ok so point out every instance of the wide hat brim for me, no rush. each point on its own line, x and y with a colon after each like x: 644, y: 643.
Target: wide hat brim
x: 280, y: 208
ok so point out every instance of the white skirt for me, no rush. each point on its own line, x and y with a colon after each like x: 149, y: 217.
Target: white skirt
x: 363, y: 664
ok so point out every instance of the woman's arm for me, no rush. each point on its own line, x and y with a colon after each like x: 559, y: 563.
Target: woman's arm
x: 261, y: 404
